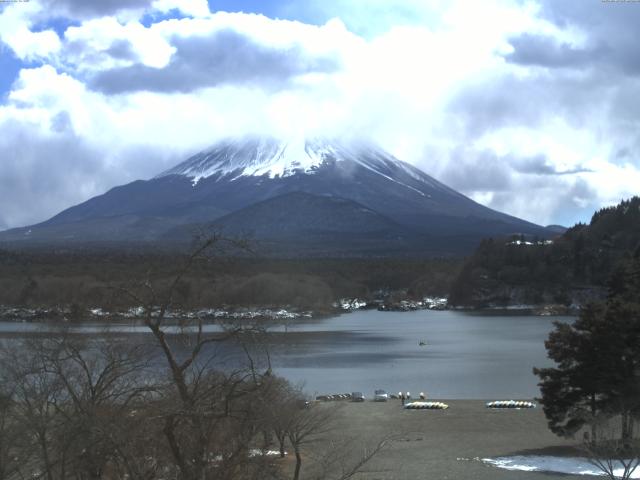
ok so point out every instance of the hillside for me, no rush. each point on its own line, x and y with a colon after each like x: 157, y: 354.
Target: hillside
x: 308, y: 225
x: 572, y: 269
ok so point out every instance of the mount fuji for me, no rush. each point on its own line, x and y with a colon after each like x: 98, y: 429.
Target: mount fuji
x: 301, y: 197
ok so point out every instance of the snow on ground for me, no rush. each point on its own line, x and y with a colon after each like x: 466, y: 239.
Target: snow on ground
x: 543, y: 463
x: 254, y: 452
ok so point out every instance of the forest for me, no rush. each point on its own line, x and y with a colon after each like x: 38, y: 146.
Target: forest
x: 571, y: 270
x: 86, y: 279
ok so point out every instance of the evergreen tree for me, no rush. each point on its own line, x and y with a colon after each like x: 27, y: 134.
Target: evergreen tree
x: 598, y: 361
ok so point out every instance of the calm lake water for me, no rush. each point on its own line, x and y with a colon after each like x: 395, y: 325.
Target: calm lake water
x: 466, y: 356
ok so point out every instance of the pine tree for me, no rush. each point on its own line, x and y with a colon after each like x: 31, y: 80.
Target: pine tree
x: 598, y: 361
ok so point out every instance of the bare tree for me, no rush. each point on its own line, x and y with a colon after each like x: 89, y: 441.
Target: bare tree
x: 307, y: 425
x: 346, y: 457
x: 36, y: 396
x: 72, y: 398
x: 207, y: 411
x: 102, y: 382
x: 614, y: 449
x: 308, y: 429
x: 10, y: 455
x: 278, y: 400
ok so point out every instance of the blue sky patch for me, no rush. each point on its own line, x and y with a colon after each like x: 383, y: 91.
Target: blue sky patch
x: 9, y: 68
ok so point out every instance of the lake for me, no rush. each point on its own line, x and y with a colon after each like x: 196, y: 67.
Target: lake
x: 466, y: 356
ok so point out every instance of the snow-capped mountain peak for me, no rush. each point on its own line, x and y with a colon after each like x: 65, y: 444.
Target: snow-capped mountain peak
x: 252, y: 157
x: 259, y: 156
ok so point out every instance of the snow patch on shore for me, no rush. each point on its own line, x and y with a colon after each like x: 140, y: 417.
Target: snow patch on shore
x: 544, y: 463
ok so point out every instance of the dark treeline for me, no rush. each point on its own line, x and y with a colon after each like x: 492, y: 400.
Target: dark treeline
x: 573, y: 269
x: 84, y: 279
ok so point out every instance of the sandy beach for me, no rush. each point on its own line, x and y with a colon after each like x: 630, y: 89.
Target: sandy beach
x: 447, y: 444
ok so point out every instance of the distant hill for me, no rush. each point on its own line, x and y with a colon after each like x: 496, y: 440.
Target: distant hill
x: 556, y: 229
x: 574, y: 268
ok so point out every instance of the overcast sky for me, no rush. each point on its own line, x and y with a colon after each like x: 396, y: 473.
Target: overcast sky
x: 529, y: 107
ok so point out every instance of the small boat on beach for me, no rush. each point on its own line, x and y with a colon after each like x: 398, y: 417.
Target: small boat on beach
x: 426, y: 406
x: 510, y: 404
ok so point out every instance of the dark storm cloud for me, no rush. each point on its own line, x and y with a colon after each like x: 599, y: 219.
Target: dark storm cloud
x: 547, y: 52
x: 83, y: 54
x: 225, y: 57
x: 525, y: 101
x: 498, y: 102
x: 49, y: 173
x: 473, y: 171
x: 46, y: 173
x: 529, y: 101
x: 122, y: 50
x: 611, y: 29
x: 93, y: 8
x: 594, y: 15
x: 540, y: 165
x: 573, y: 198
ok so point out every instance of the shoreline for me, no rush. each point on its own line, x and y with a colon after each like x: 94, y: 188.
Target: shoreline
x: 276, y: 315
x: 66, y: 315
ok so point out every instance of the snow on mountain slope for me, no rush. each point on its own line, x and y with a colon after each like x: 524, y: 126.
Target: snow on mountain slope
x: 249, y: 157
x: 264, y: 156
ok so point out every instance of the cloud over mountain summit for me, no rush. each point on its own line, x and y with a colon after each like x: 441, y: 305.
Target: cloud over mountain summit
x: 527, y: 107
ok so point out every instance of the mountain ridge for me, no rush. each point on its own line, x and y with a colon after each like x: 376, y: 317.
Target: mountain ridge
x: 235, y: 174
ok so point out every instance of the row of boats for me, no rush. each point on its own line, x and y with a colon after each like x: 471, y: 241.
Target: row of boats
x: 426, y: 406
x: 510, y: 404
x: 496, y: 404
x: 383, y: 396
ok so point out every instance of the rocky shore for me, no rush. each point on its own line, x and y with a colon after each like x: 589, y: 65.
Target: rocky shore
x: 390, y: 305
x: 73, y: 314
